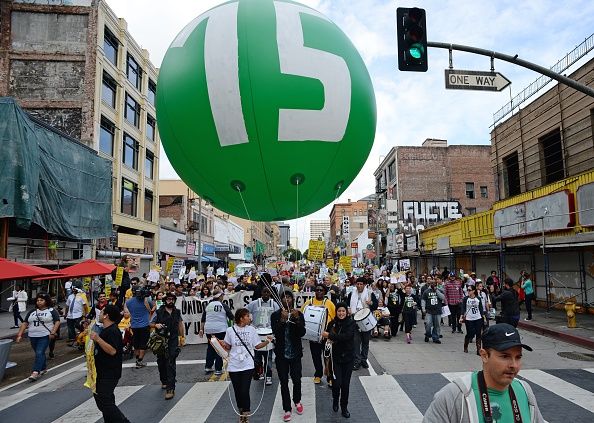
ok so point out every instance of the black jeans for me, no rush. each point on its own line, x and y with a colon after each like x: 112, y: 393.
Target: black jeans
x: 529, y: 298
x: 241, y: 386
x: 166, y: 364
x: 394, y: 318
x: 284, y: 368
x: 473, y: 328
x: 317, y: 349
x: 105, y: 399
x: 409, y: 321
x: 361, y: 342
x: 72, y: 324
x: 455, y: 311
x: 260, y: 357
x: 342, y: 382
x: 16, y: 314
x: 211, y: 354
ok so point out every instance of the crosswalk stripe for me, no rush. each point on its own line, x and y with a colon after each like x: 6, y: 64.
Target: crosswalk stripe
x: 197, y: 403
x: 154, y: 364
x: 589, y: 370
x: 308, y: 399
x: 88, y: 411
x: 383, y: 392
x: 558, y: 386
x: 11, y: 400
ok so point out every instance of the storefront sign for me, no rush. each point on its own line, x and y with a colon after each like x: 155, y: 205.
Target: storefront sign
x: 430, y: 211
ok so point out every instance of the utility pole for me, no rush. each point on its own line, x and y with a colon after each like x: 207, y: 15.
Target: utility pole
x: 200, y: 234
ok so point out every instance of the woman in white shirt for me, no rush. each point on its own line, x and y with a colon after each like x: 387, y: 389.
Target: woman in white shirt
x: 240, y: 340
x: 43, y: 323
x: 472, y: 315
x: 19, y: 304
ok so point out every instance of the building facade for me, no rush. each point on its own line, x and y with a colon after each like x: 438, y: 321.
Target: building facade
x: 285, y: 236
x: 347, y: 221
x: 319, y: 229
x: 77, y: 67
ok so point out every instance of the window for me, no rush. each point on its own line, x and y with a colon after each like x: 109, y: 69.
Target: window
x: 149, y: 163
x: 470, y: 211
x: 551, y: 152
x: 511, y: 174
x: 109, y: 90
x: 132, y: 111
x: 130, y: 153
x: 134, y: 72
x: 469, y: 189
x: 203, y: 224
x: 152, y: 91
x: 148, y: 206
x: 106, y: 136
x: 110, y: 46
x: 484, y: 192
x: 361, y: 225
x: 150, y: 127
x: 392, y: 171
x: 129, y: 197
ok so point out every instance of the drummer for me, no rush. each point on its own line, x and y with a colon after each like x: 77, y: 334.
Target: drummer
x: 261, y: 310
x: 361, y: 298
x: 317, y: 348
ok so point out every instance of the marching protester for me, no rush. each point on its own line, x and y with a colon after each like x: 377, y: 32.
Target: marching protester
x: 139, y: 307
x: 409, y: 311
x: 431, y: 303
x: 96, y: 310
x: 473, y: 398
x: 472, y: 315
x: 108, y: 364
x: 240, y: 341
x: 340, y: 335
x: 76, y: 307
x: 510, y: 307
x: 169, y: 324
x: 214, y: 323
x: 485, y: 298
x: 18, y: 304
x: 317, y: 348
x: 526, y: 285
x: 261, y: 310
x: 453, y: 298
x: 395, y: 299
x: 288, y: 326
x: 125, y: 263
x: 361, y: 298
x: 43, y: 324
x: 333, y: 289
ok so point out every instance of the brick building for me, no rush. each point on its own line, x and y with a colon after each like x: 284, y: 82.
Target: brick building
x: 347, y: 221
x: 74, y: 65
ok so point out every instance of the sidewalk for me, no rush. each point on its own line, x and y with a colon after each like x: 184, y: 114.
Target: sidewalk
x: 6, y: 322
x: 555, y: 326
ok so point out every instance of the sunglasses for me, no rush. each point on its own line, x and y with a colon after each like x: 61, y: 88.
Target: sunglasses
x: 319, y: 290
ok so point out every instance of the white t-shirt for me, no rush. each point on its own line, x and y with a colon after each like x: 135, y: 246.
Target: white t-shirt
x: 239, y: 358
x: 75, y: 303
x: 41, y: 322
x: 472, y: 309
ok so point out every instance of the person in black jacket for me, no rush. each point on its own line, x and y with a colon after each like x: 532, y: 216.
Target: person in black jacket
x: 395, y: 302
x: 341, y: 334
x: 288, y: 326
x: 510, y: 306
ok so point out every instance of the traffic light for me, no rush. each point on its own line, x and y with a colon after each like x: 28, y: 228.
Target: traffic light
x: 412, y: 39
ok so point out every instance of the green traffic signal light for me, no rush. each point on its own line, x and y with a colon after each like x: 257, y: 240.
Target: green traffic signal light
x: 412, y: 39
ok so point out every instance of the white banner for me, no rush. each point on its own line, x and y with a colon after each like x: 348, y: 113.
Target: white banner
x: 192, y: 308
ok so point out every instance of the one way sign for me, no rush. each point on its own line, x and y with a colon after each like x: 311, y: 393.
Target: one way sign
x: 475, y: 80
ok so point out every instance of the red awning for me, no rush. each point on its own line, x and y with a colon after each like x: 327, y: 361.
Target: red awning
x: 15, y: 270
x: 87, y: 268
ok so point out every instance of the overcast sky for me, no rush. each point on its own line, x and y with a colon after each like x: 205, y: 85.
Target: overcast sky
x: 411, y: 106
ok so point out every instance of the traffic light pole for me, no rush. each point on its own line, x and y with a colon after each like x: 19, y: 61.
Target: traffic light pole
x: 520, y: 62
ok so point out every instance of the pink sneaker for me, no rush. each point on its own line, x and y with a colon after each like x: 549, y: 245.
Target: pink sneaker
x: 408, y: 338
x: 287, y: 416
x: 299, y: 408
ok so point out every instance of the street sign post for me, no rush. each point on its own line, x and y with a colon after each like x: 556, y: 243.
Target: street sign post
x: 475, y: 80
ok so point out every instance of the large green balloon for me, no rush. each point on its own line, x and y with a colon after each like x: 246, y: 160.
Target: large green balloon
x: 268, y: 103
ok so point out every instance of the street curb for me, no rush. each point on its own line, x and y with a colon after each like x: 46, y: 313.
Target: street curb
x: 557, y: 334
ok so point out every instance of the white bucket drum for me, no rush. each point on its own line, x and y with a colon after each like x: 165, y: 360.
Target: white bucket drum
x: 365, y: 320
x: 315, y: 322
x: 263, y: 334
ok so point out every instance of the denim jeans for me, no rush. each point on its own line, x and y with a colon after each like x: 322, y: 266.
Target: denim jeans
x: 39, y: 345
x: 432, y: 328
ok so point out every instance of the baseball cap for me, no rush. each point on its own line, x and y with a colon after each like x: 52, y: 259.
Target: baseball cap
x: 501, y: 337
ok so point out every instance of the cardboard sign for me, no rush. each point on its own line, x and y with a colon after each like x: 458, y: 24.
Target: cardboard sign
x: 316, y: 250
x: 330, y: 262
x: 169, y: 265
x: 119, y: 276
x: 347, y: 263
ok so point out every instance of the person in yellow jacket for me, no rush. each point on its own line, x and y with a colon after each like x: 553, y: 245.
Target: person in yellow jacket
x: 317, y: 348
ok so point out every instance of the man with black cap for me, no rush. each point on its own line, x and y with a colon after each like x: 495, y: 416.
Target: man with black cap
x: 168, y: 323
x: 493, y: 394
x: 317, y: 348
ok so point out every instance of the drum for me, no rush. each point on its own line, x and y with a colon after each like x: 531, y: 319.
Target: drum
x: 216, y: 344
x: 365, y: 320
x: 264, y: 333
x: 315, y: 322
